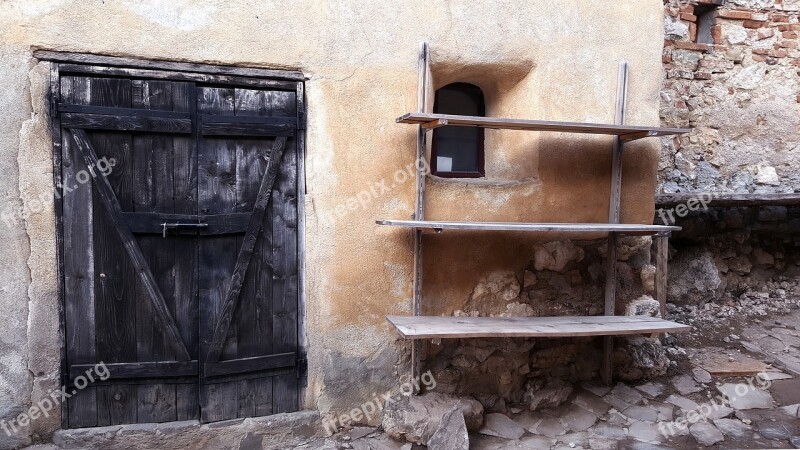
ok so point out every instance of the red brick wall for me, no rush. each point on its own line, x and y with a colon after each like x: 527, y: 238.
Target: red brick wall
x: 741, y: 93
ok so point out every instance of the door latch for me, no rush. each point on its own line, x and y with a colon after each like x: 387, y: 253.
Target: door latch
x: 176, y: 226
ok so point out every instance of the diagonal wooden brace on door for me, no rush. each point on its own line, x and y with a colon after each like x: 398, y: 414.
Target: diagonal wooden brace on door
x: 246, y: 251
x: 106, y: 194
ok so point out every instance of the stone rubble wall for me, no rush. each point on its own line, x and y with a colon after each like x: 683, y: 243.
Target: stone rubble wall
x: 724, y: 255
x: 740, y: 93
x: 562, y: 278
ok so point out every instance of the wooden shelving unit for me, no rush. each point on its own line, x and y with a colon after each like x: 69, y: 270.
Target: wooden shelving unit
x: 418, y: 327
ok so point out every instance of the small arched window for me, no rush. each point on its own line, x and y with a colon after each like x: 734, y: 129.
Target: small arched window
x: 457, y: 152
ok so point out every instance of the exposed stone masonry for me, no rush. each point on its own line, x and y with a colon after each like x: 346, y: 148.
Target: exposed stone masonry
x: 563, y: 278
x: 723, y: 252
x: 741, y: 93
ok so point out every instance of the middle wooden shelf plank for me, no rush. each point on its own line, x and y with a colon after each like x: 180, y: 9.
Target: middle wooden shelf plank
x: 629, y: 229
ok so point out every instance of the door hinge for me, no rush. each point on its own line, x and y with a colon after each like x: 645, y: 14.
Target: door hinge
x: 64, y: 375
x: 302, y: 365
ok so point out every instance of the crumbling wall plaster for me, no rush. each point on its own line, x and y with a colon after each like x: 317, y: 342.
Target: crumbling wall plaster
x: 36, y: 179
x: 15, y: 379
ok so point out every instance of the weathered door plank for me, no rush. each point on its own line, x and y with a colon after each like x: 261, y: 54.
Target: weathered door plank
x: 154, y: 193
x: 184, y: 99
x: 116, y: 278
x: 201, y: 284
x: 284, y: 287
x: 110, y: 202
x: 245, y: 252
x: 254, y: 312
x: 78, y: 265
x: 216, y: 195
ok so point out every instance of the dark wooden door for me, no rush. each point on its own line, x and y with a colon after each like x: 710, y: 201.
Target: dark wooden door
x: 180, y: 261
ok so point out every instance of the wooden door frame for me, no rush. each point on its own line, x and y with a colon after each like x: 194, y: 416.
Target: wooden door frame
x: 254, y: 77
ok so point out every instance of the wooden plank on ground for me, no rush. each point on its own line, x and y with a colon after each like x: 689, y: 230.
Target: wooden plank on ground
x: 428, y: 327
x: 717, y: 361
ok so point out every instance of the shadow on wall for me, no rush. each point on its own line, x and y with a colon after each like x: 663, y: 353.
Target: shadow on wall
x: 505, y: 83
x: 722, y: 253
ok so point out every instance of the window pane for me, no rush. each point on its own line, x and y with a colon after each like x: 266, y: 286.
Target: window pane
x: 459, y: 149
x: 460, y: 144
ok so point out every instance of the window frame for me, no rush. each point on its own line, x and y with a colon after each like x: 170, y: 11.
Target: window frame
x: 480, y: 159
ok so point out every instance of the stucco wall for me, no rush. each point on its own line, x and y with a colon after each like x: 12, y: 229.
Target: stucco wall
x: 541, y: 59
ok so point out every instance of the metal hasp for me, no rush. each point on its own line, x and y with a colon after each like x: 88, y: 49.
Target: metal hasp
x: 176, y: 226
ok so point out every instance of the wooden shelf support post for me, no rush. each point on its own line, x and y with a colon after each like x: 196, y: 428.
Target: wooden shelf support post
x: 662, y: 255
x: 419, y: 210
x: 607, y: 369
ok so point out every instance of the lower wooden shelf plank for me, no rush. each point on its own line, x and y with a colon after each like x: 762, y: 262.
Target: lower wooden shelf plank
x: 430, y: 327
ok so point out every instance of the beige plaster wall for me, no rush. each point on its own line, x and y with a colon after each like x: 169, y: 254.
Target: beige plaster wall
x: 542, y: 59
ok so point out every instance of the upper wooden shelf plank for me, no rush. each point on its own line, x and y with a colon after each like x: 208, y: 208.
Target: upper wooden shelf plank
x: 629, y: 229
x: 626, y: 132
x: 431, y: 327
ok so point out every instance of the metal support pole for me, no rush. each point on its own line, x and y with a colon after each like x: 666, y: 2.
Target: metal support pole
x: 419, y: 210
x: 613, y: 217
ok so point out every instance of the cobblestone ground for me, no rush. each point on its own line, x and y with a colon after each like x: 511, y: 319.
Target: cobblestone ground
x: 681, y: 410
